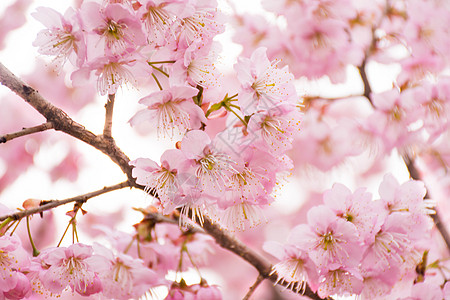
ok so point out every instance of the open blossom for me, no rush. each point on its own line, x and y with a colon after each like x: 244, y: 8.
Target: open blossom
x: 158, y: 16
x: 113, y: 29
x: 330, y: 241
x: 275, y: 128
x: 62, y: 39
x: 406, y: 197
x: 69, y: 267
x: 201, y: 23
x: 212, y: 167
x: 122, y: 276
x: 263, y: 85
x: 13, y: 259
x: 357, y: 208
x: 197, y: 66
x: 171, y: 110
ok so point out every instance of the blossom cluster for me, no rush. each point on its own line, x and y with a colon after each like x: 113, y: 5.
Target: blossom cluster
x: 354, y: 245
x: 228, y: 175
x: 133, y: 266
x: 120, y: 41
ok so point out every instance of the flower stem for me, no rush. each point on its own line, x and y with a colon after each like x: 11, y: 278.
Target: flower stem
x: 5, y: 222
x: 35, y: 250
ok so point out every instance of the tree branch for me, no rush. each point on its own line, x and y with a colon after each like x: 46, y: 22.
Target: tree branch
x: 414, y: 174
x: 109, y: 107
x: 226, y: 241
x: 49, y: 204
x: 26, y: 131
x: 62, y: 122
x: 258, y: 281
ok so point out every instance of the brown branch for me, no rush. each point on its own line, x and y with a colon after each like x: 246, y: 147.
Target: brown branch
x: 226, y: 241
x: 259, y: 279
x: 62, y: 122
x: 367, y: 88
x: 414, y: 174
x: 26, y: 131
x: 109, y: 107
x: 49, y: 204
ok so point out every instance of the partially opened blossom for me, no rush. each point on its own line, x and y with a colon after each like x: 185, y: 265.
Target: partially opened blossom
x: 69, y: 267
x: 263, y: 85
x: 63, y: 37
x: 164, y: 179
x: 171, y: 111
x: 21, y: 290
x: 295, y: 268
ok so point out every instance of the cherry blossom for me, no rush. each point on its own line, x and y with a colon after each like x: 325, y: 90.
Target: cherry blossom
x: 63, y: 38
x: 69, y: 267
x: 122, y: 276
x: 263, y: 85
x: 171, y: 110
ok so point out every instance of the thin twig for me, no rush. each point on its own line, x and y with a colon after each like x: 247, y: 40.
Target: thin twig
x: 259, y: 279
x: 414, y: 174
x: 26, y: 131
x: 55, y: 203
x: 362, y: 72
x: 109, y: 108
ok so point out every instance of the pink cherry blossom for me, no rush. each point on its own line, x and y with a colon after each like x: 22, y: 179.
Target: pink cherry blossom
x: 331, y: 242
x: 158, y: 18
x: 263, y: 85
x: 171, y: 110
x: 13, y: 259
x: 275, y: 128
x: 212, y: 167
x: 357, y: 208
x: 164, y: 179
x: 202, y: 22
x: 295, y: 267
x: 122, y: 276
x: 341, y: 281
x: 69, y: 267
x: 114, y: 30
x: 112, y: 72
x: 406, y: 197
x: 63, y: 37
